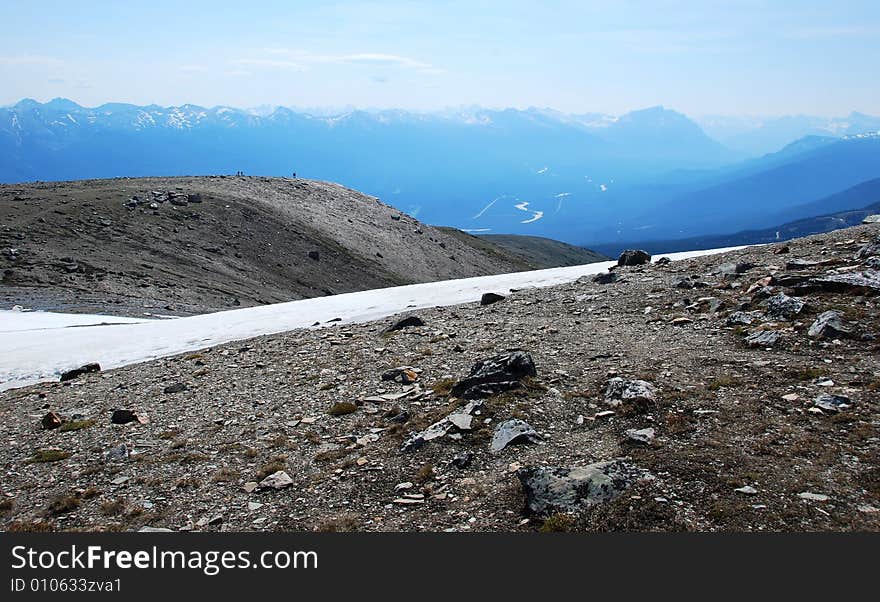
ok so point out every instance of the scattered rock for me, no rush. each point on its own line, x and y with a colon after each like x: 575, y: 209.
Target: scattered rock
x: 463, y: 460
x: 496, y: 374
x: 763, y: 338
x: 633, y: 257
x: 123, y: 416
x: 341, y: 408
x: 638, y: 393
x: 828, y: 402
x: 733, y: 269
x: 866, y: 280
x: 663, y: 261
x: 175, y: 388
x: 872, y: 249
x: 276, y: 480
x: 813, y: 497
x: 120, y: 453
x: 402, y: 374
x: 644, y: 436
x: 746, y: 490
x: 512, y: 431
x: 77, y: 372
x: 551, y: 489
x: 871, y: 219
x: 828, y: 325
x: 490, y: 298
x: 314, y: 255
x: 606, y: 278
x: 456, y: 421
x: 149, y: 529
x: 784, y: 307
x: 51, y: 421
x: 740, y: 318
x: 408, y: 322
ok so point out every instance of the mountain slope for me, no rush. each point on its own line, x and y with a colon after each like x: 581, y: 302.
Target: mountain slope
x: 755, y: 195
x: 443, y: 168
x: 795, y: 418
x: 862, y: 200
x: 533, y: 252
x: 235, y: 241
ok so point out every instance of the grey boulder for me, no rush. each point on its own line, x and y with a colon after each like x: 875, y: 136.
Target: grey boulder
x: 550, y: 489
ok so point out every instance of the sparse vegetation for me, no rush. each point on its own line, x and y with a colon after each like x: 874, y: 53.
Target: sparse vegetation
x: 114, y: 507
x: 425, y: 473
x: 42, y: 456
x: 76, y: 425
x: 443, y: 387
x: 225, y: 474
x: 558, y: 523
x: 63, y: 504
x: 273, y: 465
x: 724, y: 382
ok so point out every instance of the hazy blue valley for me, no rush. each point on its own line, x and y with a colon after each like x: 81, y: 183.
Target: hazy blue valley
x: 592, y: 179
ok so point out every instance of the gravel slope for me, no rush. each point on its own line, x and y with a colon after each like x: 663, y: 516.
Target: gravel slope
x: 739, y: 442
x: 203, y: 244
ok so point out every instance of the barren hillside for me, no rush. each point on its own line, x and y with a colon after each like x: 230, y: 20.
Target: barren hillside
x: 197, y: 244
x: 732, y: 392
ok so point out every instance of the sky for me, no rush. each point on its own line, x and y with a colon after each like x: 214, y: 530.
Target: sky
x: 747, y: 57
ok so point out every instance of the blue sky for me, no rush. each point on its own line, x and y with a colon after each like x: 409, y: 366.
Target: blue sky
x: 737, y: 58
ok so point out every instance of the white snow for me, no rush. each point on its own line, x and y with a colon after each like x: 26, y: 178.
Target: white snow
x: 486, y: 208
x: 52, y: 343
x: 21, y: 321
x: 536, y: 215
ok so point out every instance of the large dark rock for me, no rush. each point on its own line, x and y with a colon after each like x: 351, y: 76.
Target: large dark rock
x: 123, y: 416
x: 781, y: 306
x: 512, y: 431
x: 630, y: 392
x: 830, y: 403
x: 763, y: 338
x: 871, y: 249
x: 77, y: 372
x: 733, y: 269
x: 551, y: 489
x: 490, y: 298
x: 856, y: 282
x: 633, y: 257
x: 51, y: 421
x: 407, y: 322
x: 495, y: 375
x: 605, y: 278
x: 175, y: 388
x: 829, y: 325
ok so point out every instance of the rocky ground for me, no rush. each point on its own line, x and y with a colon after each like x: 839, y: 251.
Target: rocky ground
x: 189, y: 245
x: 710, y: 394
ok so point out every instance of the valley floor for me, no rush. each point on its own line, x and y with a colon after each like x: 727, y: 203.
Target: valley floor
x: 738, y: 443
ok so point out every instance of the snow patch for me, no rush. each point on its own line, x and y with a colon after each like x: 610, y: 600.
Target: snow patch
x: 49, y: 350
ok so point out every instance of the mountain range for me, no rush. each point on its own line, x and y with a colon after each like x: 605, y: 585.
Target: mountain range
x: 585, y: 179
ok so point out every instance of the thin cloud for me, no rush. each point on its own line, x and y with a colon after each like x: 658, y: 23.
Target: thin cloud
x: 301, y: 61
x: 30, y: 59
x: 270, y: 64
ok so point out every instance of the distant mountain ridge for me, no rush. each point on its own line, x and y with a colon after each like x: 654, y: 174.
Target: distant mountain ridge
x: 841, y: 210
x: 758, y: 136
x: 651, y: 174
